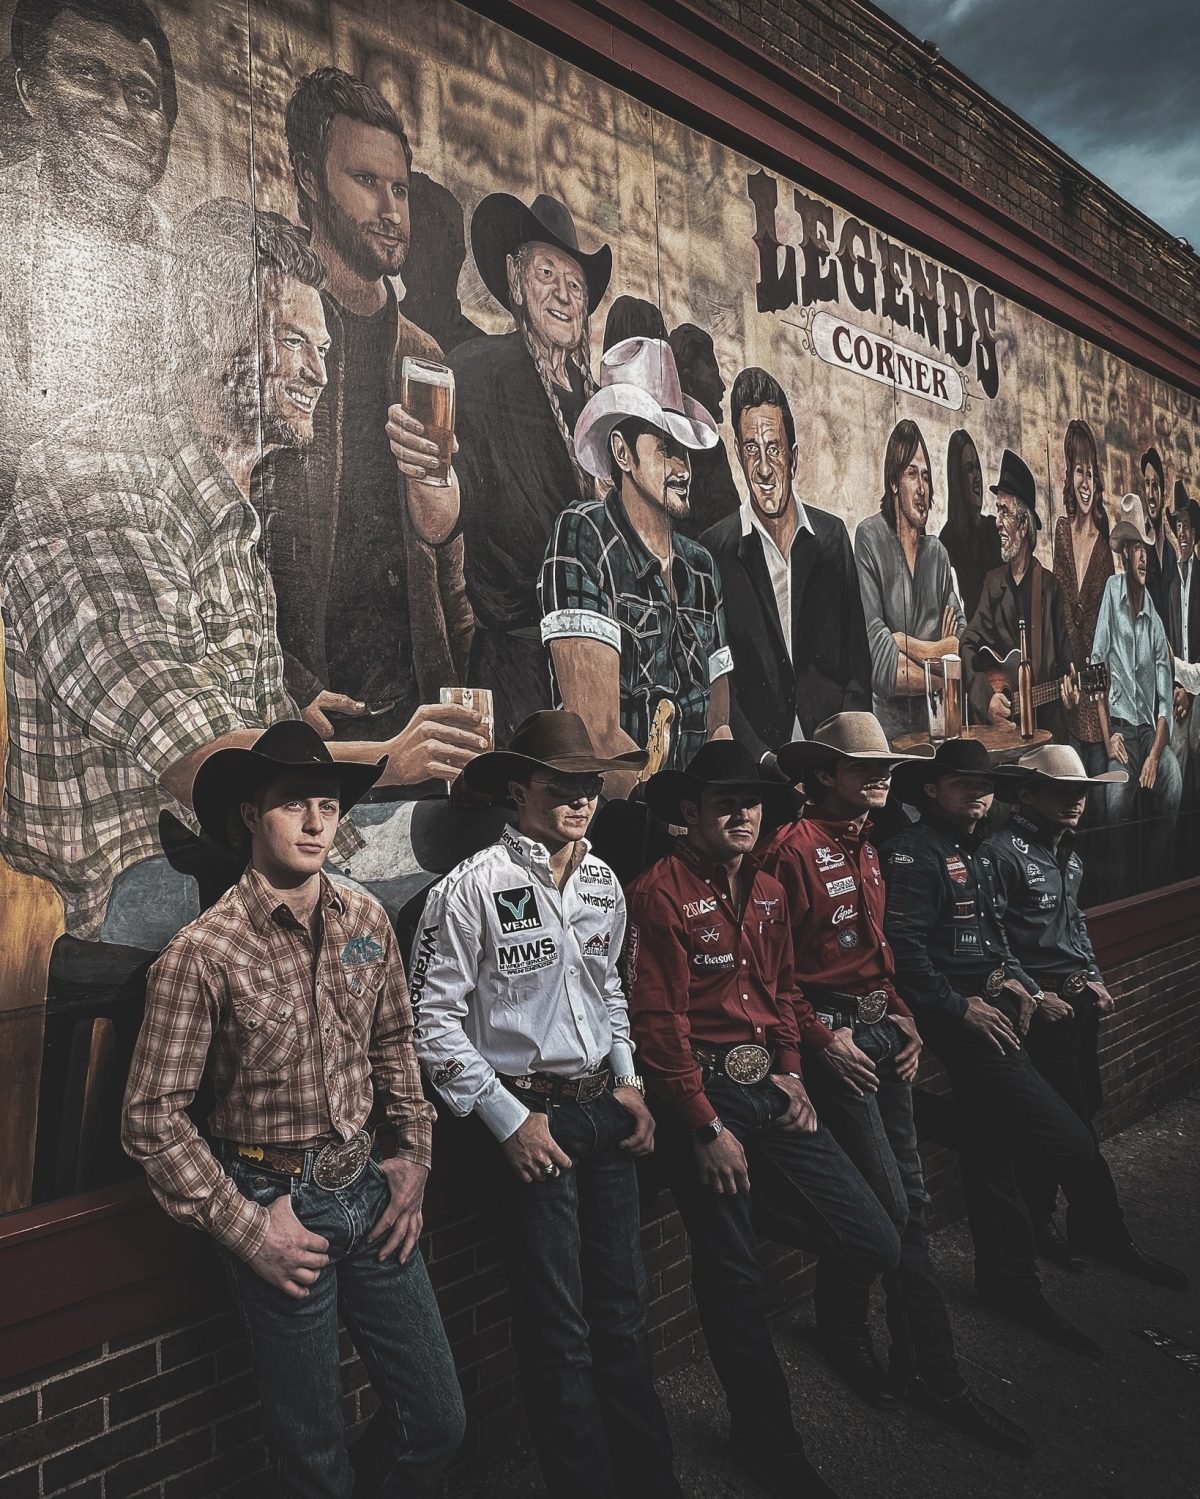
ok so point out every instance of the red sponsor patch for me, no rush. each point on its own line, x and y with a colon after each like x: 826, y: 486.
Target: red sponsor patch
x: 956, y: 869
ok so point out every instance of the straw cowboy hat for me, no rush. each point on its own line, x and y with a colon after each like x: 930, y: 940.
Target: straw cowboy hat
x: 724, y: 765
x: 954, y: 757
x: 1051, y: 762
x: 232, y: 776
x: 553, y: 739
x: 846, y: 736
x: 639, y: 377
x: 1131, y: 526
x: 501, y: 224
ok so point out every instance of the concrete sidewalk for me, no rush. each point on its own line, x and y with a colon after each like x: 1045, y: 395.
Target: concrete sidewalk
x: 1124, y: 1428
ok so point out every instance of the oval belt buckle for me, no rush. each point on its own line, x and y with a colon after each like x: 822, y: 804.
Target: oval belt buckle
x: 339, y: 1165
x: 995, y: 983
x: 873, y: 1006
x: 747, y: 1064
x: 1076, y: 984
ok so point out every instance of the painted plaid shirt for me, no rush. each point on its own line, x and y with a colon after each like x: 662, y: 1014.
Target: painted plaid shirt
x: 601, y: 582
x: 139, y: 626
x: 298, y: 1045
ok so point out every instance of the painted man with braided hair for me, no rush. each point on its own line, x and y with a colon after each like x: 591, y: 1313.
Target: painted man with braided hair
x: 519, y: 397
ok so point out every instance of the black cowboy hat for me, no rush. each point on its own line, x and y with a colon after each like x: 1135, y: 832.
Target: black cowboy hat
x: 962, y: 757
x: 501, y: 224
x: 553, y: 739
x: 723, y: 764
x: 232, y: 776
x: 1017, y: 479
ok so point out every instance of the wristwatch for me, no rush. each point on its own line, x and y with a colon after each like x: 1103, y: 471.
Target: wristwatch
x: 630, y: 1080
x: 707, y: 1133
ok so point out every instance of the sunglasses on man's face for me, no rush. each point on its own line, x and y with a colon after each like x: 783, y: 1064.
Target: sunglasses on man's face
x: 571, y: 789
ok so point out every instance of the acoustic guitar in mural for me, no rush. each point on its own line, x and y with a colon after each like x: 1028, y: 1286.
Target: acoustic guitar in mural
x: 1092, y: 679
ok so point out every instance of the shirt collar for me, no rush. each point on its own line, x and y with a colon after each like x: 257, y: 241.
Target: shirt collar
x: 263, y: 905
x: 1036, y: 830
x: 751, y: 522
x: 951, y: 832
x: 1146, y: 604
x: 844, y: 830
x: 529, y: 851
x: 645, y: 562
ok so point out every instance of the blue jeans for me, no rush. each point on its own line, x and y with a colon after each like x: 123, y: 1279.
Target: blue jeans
x: 579, y: 1287
x: 805, y: 1192
x: 394, y: 1324
x: 1121, y: 800
x: 877, y: 1132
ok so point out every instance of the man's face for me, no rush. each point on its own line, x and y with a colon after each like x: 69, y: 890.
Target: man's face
x: 1135, y: 561
x: 1013, y: 524
x: 767, y: 462
x: 292, y: 826
x: 861, y: 786
x: 1185, y: 536
x: 555, y: 808
x: 914, y: 491
x: 1057, y: 803
x: 972, y: 477
x: 1152, y: 494
x: 960, y: 799
x: 295, y: 344
x: 1083, y: 481
x: 725, y: 825
x: 361, y: 198
x: 549, y: 289
x: 98, y: 105
x: 660, y: 472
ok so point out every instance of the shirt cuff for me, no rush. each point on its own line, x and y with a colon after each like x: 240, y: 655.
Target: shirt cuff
x: 414, y: 1139
x: 720, y: 664
x: 816, y: 1035
x: 620, y: 1059
x: 896, y: 1006
x: 787, y: 1060
x: 500, y: 1111
x: 242, y: 1227
x: 581, y: 624
x: 696, y: 1111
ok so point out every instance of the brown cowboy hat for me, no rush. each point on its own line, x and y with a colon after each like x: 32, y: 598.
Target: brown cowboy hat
x: 722, y: 764
x: 501, y: 224
x: 231, y: 776
x: 553, y: 739
x: 848, y: 736
x: 1051, y: 762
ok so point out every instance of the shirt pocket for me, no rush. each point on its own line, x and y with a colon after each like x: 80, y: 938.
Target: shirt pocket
x: 638, y: 617
x: 269, y: 1031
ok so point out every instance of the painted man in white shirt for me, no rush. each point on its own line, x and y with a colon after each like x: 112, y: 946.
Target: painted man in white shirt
x: 1183, y: 626
x: 522, y: 1021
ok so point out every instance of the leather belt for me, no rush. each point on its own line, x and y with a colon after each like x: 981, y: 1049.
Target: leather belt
x: 867, y: 1008
x: 336, y: 1165
x: 1070, y: 987
x: 743, y: 1063
x: 585, y: 1089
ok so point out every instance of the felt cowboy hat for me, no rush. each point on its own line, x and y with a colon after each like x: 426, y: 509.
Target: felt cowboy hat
x: 1017, y: 479
x: 639, y: 377
x: 954, y: 757
x: 501, y: 224
x: 232, y: 776
x: 1051, y: 762
x: 1188, y: 508
x: 850, y: 736
x: 723, y: 765
x: 553, y: 739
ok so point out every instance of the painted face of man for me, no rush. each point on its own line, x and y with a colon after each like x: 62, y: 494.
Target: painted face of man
x: 548, y: 287
x: 972, y: 477
x: 1185, y: 536
x: 360, y: 199
x: 1152, y: 494
x: 725, y: 824
x: 914, y: 491
x: 659, y: 469
x: 1135, y: 561
x: 292, y: 826
x: 767, y: 462
x: 1083, y: 481
x: 1012, y: 521
x: 98, y: 104
x: 295, y: 345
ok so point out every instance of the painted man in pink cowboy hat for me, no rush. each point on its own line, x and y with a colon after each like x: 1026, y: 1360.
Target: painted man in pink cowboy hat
x: 632, y: 610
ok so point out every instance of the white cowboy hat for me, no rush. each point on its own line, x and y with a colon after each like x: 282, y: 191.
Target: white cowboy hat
x: 1051, y: 762
x: 849, y: 736
x: 639, y: 377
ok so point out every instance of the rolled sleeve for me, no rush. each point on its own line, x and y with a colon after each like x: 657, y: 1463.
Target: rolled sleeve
x: 572, y: 588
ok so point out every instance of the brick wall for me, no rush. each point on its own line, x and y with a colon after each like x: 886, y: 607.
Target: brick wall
x: 172, y: 1414
x: 852, y: 53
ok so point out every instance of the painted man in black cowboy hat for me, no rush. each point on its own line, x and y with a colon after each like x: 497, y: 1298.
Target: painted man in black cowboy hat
x: 1038, y: 875
x: 719, y: 1024
x: 290, y: 991
x: 523, y: 1023
x: 861, y: 1073
x: 519, y: 397
x: 973, y: 1004
x: 1020, y: 589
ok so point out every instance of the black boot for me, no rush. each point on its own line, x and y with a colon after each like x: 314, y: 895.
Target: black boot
x: 855, y: 1362
x: 1125, y: 1255
x: 1054, y: 1249
x: 1032, y: 1310
x: 973, y: 1416
x: 784, y: 1474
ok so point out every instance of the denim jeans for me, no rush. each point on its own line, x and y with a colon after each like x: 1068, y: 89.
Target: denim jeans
x: 1160, y: 806
x: 877, y: 1132
x: 394, y: 1324
x: 804, y: 1192
x: 579, y: 1319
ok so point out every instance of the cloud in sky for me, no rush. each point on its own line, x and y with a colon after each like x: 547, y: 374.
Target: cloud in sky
x: 1114, y: 84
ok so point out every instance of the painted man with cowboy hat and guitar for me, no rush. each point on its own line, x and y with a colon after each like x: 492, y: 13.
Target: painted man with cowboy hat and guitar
x: 974, y: 1003
x: 1038, y: 875
x: 632, y: 611
x: 290, y: 991
x: 719, y: 1025
x: 522, y: 1022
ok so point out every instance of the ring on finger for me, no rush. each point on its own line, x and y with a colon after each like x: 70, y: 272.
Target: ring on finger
x: 549, y: 1170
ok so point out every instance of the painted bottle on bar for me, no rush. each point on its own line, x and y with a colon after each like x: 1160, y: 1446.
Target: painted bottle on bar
x: 1025, y: 687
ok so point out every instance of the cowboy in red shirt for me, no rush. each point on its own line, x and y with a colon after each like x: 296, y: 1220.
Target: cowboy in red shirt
x: 718, y: 1023
x: 862, y: 1071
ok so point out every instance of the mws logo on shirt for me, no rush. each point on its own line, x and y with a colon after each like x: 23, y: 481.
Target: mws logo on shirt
x: 527, y: 957
x: 517, y: 909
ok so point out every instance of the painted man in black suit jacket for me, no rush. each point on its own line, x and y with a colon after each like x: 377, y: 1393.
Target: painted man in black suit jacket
x: 792, y: 604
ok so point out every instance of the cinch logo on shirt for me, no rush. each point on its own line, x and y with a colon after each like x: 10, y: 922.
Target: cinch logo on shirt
x: 527, y: 957
x: 601, y: 902
x: 517, y: 909
x: 698, y: 907
x: 840, y: 887
x: 597, y: 946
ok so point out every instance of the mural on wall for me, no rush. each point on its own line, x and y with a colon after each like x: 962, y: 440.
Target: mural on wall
x: 354, y: 353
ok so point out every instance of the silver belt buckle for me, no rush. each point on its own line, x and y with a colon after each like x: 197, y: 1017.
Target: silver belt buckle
x: 747, y: 1064
x: 340, y: 1164
x: 873, y: 1007
x: 1076, y: 984
x: 589, y: 1088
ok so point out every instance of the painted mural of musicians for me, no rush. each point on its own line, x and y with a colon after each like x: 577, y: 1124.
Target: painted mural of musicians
x: 632, y: 611
x: 912, y: 612
x: 1161, y: 565
x: 364, y: 554
x: 1021, y: 589
x: 787, y: 571
x: 971, y: 540
x: 714, y: 493
x: 519, y: 396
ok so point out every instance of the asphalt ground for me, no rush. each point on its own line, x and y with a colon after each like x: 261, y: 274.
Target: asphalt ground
x: 1125, y: 1427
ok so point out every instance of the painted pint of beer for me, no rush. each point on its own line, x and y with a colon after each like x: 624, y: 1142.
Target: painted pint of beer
x: 427, y: 392
x: 952, y: 686
x: 479, y: 698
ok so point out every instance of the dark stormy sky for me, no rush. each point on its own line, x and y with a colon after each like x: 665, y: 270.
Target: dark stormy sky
x: 1114, y: 83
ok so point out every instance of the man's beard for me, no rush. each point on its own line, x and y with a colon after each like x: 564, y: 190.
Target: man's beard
x: 365, y: 256
x: 246, y: 412
x: 1010, y: 550
x: 676, y: 503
